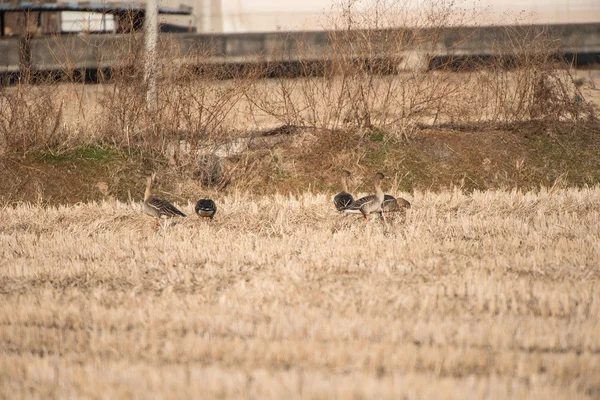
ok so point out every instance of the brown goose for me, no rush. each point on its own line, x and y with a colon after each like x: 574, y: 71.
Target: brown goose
x: 158, y: 208
x: 343, y: 199
x: 368, y: 204
x: 393, y: 204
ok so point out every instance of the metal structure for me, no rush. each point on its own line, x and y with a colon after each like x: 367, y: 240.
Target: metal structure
x: 130, y: 16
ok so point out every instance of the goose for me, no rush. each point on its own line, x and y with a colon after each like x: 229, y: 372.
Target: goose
x: 343, y: 199
x: 371, y: 203
x: 158, y: 208
x: 206, y: 208
x: 392, y: 204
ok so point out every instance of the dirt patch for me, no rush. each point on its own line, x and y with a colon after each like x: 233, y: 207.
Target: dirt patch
x: 297, y: 160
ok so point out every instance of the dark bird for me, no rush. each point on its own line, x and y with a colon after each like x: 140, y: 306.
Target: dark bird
x: 206, y: 208
x: 158, y: 208
x: 343, y: 199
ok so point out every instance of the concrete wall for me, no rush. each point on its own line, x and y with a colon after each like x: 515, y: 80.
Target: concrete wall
x: 9, y: 55
x: 101, y: 51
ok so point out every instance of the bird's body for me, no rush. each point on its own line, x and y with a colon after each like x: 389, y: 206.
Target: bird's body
x: 393, y: 204
x: 343, y: 199
x: 390, y: 204
x: 206, y: 208
x: 368, y: 204
x: 158, y: 208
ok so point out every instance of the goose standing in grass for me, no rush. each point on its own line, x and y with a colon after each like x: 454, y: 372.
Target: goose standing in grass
x: 206, y: 208
x: 371, y: 203
x: 343, y: 199
x: 158, y: 208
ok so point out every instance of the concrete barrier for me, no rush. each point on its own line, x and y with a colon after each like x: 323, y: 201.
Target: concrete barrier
x: 9, y: 55
x: 84, y: 52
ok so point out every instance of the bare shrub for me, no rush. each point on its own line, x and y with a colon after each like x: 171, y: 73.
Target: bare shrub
x: 124, y: 114
x: 192, y: 101
x: 386, y: 65
x: 374, y: 75
x: 525, y: 79
x: 394, y: 65
x: 197, y: 104
x: 30, y: 118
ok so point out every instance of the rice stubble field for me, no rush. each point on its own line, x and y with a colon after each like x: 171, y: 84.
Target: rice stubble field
x: 489, y: 294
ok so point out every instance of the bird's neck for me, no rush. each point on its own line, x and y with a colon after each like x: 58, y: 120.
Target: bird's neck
x: 378, y: 192
x: 148, y: 192
x: 345, y: 184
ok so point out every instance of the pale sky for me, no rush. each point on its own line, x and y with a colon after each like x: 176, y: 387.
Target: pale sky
x: 270, y: 15
x: 315, y: 6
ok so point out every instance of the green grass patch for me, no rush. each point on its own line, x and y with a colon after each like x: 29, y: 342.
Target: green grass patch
x: 90, y: 154
x: 377, y: 136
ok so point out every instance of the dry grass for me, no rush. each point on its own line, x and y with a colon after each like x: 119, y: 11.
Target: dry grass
x: 490, y: 295
x: 371, y: 79
x: 202, y: 111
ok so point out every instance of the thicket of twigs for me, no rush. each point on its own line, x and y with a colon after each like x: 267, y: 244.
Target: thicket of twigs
x: 376, y: 75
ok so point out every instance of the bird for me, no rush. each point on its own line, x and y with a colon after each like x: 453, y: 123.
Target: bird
x: 343, y: 199
x: 158, y: 208
x: 391, y: 203
x: 371, y: 203
x: 206, y: 208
